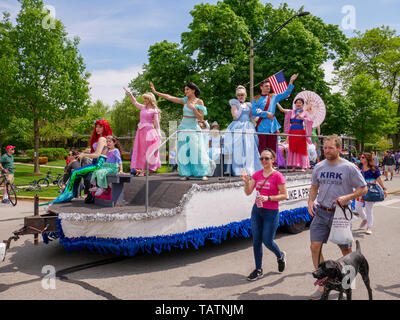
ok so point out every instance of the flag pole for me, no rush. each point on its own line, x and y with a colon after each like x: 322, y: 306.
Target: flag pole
x: 251, y: 70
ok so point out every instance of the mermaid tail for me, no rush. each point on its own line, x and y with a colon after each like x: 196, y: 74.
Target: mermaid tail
x: 68, y: 194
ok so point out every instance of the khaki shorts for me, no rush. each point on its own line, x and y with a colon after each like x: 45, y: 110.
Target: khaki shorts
x: 389, y: 169
x: 320, y: 227
x: 10, y: 178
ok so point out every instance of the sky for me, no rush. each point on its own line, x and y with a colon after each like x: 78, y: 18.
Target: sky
x: 116, y: 35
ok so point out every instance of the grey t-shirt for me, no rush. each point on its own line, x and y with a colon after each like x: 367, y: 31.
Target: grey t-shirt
x: 335, y: 180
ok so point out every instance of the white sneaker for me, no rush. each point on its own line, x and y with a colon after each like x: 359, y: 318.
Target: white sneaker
x: 2, y: 251
x: 363, y: 223
x: 99, y: 192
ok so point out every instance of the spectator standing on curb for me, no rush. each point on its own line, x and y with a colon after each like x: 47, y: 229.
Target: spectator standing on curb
x: 372, y: 175
x: 389, y: 164
x: 397, y: 159
x: 335, y: 181
x: 7, y: 165
x: 375, y: 157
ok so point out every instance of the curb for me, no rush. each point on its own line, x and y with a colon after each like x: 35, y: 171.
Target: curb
x: 33, y: 198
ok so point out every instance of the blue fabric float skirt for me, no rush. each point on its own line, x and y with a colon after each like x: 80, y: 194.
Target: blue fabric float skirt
x: 193, y: 157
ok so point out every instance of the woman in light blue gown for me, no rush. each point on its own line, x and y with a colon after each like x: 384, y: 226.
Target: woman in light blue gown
x: 192, y: 155
x: 242, y: 141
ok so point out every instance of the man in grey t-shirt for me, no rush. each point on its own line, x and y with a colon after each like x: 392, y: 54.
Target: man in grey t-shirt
x: 334, y: 180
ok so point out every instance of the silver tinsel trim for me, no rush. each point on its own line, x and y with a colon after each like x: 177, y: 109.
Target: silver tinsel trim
x: 126, y: 216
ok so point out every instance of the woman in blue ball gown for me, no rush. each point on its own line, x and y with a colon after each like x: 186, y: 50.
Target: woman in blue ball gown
x: 192, y: 156
x: 242, y: 140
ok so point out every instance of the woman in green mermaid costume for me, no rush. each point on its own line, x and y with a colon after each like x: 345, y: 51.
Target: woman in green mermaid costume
x: 68, y: 192
x: 97, y: 146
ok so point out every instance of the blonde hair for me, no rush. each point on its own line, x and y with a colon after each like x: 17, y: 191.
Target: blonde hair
x: 240, y: 87
x: 336, y: 139
x: 152, y: 99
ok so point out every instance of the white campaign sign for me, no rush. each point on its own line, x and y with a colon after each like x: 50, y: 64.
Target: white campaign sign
x: 297, y: 193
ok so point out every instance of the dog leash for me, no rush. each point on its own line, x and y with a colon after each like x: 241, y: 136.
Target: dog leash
x: 344, y: 208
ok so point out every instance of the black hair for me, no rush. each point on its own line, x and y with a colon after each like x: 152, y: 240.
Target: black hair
x: 74, y: 153
x: 263, y: 82
x: 301, y: 99
x: 194, y: 87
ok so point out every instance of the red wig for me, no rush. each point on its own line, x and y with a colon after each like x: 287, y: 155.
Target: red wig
x: 95, y: 137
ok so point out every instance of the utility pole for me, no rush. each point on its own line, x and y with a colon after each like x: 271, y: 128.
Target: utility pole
x: 251, y: 70
x: 268, y: 37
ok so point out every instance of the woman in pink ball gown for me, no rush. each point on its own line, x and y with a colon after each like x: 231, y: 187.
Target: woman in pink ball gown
x: 148, y: 135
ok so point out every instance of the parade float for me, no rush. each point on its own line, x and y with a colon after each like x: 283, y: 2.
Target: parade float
x: 181, y: 214
x: 159, y: 212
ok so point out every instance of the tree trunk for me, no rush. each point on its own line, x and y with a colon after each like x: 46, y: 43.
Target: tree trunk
x: 396, y: 141
x: 396, y: 137
x: 36, y: 149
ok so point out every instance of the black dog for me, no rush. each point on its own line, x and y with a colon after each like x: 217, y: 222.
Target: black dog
x: 330, y: 273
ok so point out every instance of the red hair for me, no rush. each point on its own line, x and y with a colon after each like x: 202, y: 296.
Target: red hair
x: 95, y: 137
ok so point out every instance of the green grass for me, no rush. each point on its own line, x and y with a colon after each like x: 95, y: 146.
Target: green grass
x: 51, y: 192
x: 24, y: 174
x: 57, y: 163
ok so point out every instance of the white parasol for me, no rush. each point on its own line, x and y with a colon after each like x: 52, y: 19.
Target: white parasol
x: 314, y: 106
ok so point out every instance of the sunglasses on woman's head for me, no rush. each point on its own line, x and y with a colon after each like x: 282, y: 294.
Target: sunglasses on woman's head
x: 265, y: 158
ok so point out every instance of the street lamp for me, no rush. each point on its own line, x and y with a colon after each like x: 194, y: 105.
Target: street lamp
x: 268, y: 37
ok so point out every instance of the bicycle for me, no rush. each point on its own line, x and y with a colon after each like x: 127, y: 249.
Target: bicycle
x: 12, y: 195
x: 55, y: 180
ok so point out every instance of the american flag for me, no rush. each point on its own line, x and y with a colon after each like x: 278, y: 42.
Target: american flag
x: 278, y: 82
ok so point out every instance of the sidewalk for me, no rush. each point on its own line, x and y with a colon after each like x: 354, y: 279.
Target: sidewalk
x: 42, y: 165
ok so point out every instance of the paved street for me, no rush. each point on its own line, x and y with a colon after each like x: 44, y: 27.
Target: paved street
x: 216, y: 272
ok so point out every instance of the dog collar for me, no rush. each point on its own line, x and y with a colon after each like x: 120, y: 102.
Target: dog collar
x: 341, y: 266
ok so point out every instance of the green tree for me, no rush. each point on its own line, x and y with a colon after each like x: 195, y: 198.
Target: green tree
x: 214, y: 53
x: 340, y: 114
x: 125, y: 117
x: 376, y: 53
x: 51, y: 81
x: 84, y: 124
x: 8, y: 72
x: 374, y: 113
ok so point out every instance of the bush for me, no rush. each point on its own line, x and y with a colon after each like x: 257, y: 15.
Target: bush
x: 23, y: 159
x: 126, y: 156
x: 126, y: 166
x: 51, y: 153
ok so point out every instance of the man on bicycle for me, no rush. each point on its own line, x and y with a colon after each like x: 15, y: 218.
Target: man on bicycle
x: 7, y: 165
